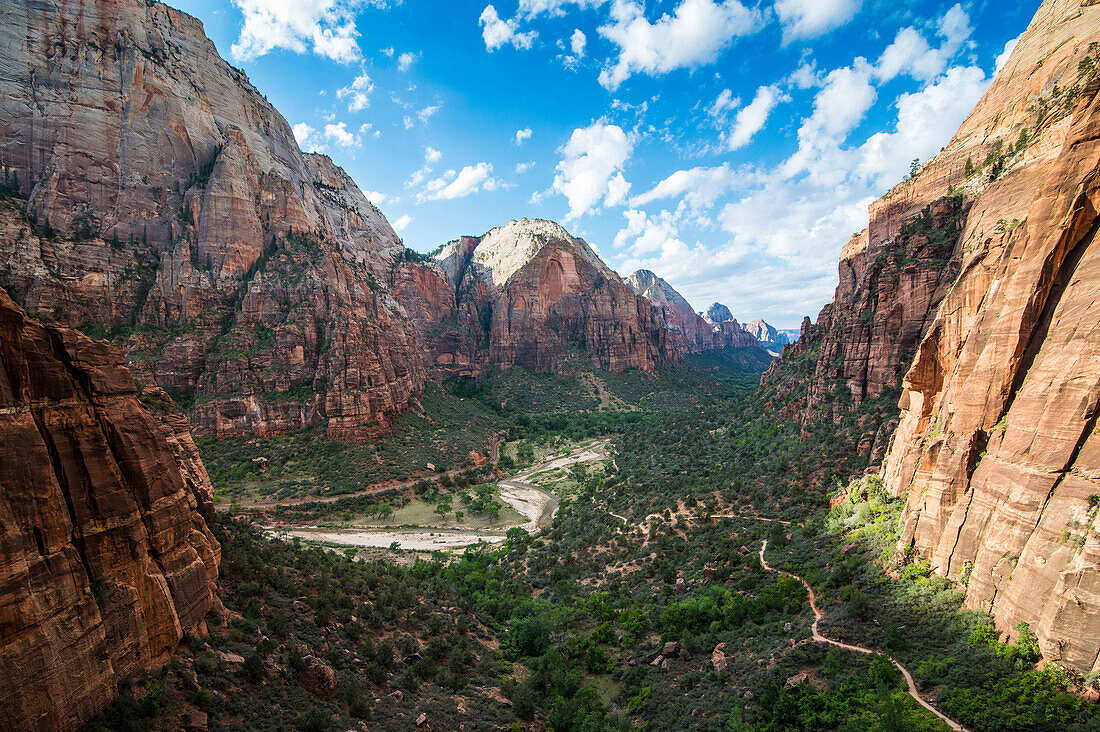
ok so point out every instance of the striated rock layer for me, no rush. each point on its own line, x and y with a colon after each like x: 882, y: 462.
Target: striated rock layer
x: 997, y: 451
x: 979, y: 281
x: 691, y: 333
x: 106, y: 558
x: 542, y: 297
x: 167, y: 199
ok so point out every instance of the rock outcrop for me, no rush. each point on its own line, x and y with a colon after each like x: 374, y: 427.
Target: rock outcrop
x: 978, y: 280
x: 106, y: 558
x: 165, y: 198
x: 543, y: 297
x: 767, y: 335
x: 690, y: 332
x: 997, y: 452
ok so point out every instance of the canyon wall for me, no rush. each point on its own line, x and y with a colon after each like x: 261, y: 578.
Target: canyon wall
x: 972, y: 296
x: 106, y: 557
x: 997, y: 452
x: 167, y: 204
x: 544, y: 299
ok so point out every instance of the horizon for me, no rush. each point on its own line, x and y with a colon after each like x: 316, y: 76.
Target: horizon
x: 730, y: 148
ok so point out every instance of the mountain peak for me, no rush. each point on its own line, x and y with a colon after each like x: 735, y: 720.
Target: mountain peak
x: 717, y: 313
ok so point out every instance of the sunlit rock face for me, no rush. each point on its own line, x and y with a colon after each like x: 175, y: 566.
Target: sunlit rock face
x: 974, y: 289
x: 164, y: 192
x: 106, y: 557
x: 544, y: 297
x: 997, y: 451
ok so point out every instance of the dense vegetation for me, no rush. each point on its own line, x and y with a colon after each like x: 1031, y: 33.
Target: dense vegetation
x: 644, y: 605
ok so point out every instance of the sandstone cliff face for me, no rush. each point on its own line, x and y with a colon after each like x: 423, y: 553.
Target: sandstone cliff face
x: 106, y: 559
x: 542, y: 296
x: 689, y: 331
x: 997, y: 451
x: 165, y: 195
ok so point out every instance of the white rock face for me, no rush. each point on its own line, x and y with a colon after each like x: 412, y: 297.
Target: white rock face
x: 505, y: 249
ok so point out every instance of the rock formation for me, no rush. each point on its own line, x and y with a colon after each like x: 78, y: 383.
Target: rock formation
x: 690, y: 332
x: 165, y: 197
x: 106, y: 558
x: 978, y: 280
x: 543, y: 297
x: 717, y: 313
x: 997, y: 451
x: 767, y: 335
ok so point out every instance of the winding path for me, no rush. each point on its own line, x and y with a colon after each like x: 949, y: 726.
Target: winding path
x: 858, y: 649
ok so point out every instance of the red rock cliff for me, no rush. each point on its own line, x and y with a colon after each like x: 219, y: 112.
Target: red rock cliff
x: 979, y: 281
x: 542, y: 295
x: 167, y: 197
x: 106, y: 559
x: 997, y: 451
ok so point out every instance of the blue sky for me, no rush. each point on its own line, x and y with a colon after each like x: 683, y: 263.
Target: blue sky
x: 731, y: 147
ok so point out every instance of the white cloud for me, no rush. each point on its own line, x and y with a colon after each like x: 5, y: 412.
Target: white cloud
x: 418, y: 176
x: 338, y: 133
x: 469, y: 180
x: 725, y: 102
x: 408, y: 122
x: 427, y: 112
x: 523, y: 135
x: 325, y: 27
x: 432, y: 155
x: 646, y: 234
x: 388, y: 51
x: 752, y: 118
x: 531, y: 8
x: 590, y: 171
x: 406, y: 60
x: 357, y: 93
x: 497, y: 32
x: 376, y: 197
x: 694, y: 35
x: 306, y: 137
x: 700, y: 187
x: 926, y: 120
x: 911, y: 54
x: 804, y: 19
x: 1002, y: 58
x: 402, y: 223
x: 524, y: 167
x: 577, y: 42
x: 806, y: 76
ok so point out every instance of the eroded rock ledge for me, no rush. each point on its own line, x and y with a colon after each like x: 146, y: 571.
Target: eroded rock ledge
x: 106, y: 557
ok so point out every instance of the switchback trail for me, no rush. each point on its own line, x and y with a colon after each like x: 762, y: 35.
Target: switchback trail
x: 858, y: 649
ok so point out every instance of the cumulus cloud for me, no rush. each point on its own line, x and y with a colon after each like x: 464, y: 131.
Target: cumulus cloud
x: 694, y: 35
x: 700, y: 187
x: 911, y: 54
x: 306, y: 136
x: 466, y: 182
x: 338, y: 133
x: 357, y: 93
x: 752, y: 118
x: 402, y: 222
x: 523, y: 135
x: 577, y: 42
x: 805, y: 19
x: 524, y: 167
x: 312, y: 140
x: 325, y: 27
x: 926, y: 120
x: 406, y: 60
x: 590, y: 173
x: 497, y: 32
x: 725, y: 102
x: 376, y: 197
x: 432, y: 155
